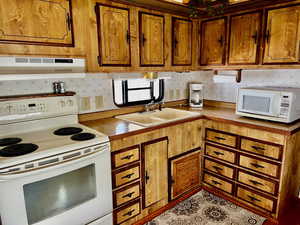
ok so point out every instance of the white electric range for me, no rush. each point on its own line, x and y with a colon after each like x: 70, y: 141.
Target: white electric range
x: 53, y: 170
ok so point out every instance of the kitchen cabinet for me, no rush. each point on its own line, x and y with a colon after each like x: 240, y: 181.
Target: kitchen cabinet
x: 113, y: 35
x: 244, y: 40
x: 151, y: 39
x: 282, y: 37
x: 182, y: 42
x: 155, y: 170
x: 213, y: 41
x: 36, y: 22
x: 185, y: 173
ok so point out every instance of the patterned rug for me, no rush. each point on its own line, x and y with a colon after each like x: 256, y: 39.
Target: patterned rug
x: 204, y: 208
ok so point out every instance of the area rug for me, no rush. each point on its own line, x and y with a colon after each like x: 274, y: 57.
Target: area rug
x: 205, y: 208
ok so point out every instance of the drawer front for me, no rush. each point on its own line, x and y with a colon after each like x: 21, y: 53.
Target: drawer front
x: 259, y: 166
x: 221, y: 138
x: 126, y: 176
x: 219, y: 168
x: 218, y: 183
x: 126, y: 195
x: 220, y: 153
x: 256, y: 182
x: 256, y: 199
x: 127, y: 212
x: 263, y: 149
x: 124, y: 157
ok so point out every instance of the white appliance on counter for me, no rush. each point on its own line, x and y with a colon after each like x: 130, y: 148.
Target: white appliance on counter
x: 196, y: 95
x: 281, y: 104
x: 53, y: 170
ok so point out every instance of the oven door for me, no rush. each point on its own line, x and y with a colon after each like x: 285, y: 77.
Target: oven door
x: 74, y: 192
x: 259, y: 102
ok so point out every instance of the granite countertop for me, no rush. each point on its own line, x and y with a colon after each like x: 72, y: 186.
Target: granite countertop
x: 116, y: 128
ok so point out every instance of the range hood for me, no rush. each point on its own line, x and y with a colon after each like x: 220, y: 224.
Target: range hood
x: 40, y: 65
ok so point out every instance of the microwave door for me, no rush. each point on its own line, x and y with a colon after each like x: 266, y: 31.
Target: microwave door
x: 259, y: 102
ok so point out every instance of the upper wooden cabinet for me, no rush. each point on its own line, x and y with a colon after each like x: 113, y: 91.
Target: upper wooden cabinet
x: 36, y: 22
x: 151, y: 39
x: 282, y: 35
x: 244, y: 40
x: 114, y: 36
x: 213, y: 40
x: 182, y: 42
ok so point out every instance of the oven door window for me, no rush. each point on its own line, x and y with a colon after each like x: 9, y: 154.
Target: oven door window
x: 256, y: 104
x: 55, y: 195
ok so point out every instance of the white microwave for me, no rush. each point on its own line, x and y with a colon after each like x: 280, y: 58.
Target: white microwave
x: 281, y: 104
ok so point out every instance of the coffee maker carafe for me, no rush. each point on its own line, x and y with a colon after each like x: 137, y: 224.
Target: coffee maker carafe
x: 196, y: 95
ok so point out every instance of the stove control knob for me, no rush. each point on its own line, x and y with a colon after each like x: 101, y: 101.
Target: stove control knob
x: 70, y: 103
x: 62, y: 104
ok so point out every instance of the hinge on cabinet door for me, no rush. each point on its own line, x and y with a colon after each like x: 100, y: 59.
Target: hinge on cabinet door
x: 69, y: 21
x: 99, y: 59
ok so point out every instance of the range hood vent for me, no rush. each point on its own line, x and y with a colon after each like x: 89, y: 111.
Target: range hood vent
x: 39, y: 65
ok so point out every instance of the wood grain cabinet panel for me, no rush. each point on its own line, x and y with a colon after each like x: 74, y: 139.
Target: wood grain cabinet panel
x: 244, y: 40
x: 182, y: 42
x: 125, y: 176
x: 126, y: 194
x: 220, y: 153
x: 219, y: 168
x: 185, y: 173
x: 151, y: 39
x: 127, y: 212
x: 36, y: 22
x: 282, y: 37
x: 218, y: 183
x: 155, y: 171
x: 125, y: 156
x: 221, y: 138
x: 114, y: 36
x: 213, y: 41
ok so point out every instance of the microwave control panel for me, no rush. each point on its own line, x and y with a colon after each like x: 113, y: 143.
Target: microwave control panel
x: 285, y: 102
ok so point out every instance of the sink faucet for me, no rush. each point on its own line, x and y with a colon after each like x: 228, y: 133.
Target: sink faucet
x: 152, y: 106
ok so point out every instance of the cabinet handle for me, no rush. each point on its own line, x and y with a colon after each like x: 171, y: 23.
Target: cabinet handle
x: 221, y: 40
x: 129, y: 195
x: 256, y: 182
x: 128, y: 37
x: 216, y: 182
x: 258, y: 148
x: 267, y: 36
x: 147, y: 177
x: 127, y: 157
x: 253, y: 198
x: 128, y: 176
x: 255, y: 37
x: 129, y: 213
x: 257, y: 165
x: 220, y: 138
x: 218, y: 153
x: 143, y: 40
x: 217, y: 168
x: 69, y: 21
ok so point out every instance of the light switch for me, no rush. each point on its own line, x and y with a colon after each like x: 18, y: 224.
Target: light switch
x: 171, y: 94
x: 85, y: 103
x: 177, y: 93
x: 99, y: 101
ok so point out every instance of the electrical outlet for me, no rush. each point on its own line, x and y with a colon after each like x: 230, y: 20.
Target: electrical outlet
x: 171, y: 94
x: 177, y: 94
x: 85, y: 103
x: 99, y: 101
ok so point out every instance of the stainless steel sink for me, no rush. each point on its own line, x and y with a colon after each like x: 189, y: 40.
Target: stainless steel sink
x: 147, y: 119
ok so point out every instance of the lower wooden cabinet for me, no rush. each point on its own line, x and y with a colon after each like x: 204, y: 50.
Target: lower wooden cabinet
x: 127, y: 212
x: 184, y: 173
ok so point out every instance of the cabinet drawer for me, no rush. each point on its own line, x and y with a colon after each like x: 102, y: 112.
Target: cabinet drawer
x: 259, y: 166
x: 125, y: 156
x: 219, y: 168
x: 256, y: 182
x: 218, y: 183
x: 126, y: 176
x: 127, y: 212
x: 267, y: 150
x: 220, y: 153
x: 221, y: 138
x: 126, y: 194
x: 256, y: 199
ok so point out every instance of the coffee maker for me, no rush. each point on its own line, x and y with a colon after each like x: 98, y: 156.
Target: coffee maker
x: 196, y: 95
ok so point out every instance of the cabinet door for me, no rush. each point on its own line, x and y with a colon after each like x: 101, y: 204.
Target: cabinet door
x: 213, y: 39
x: 185, y: 174
x: 36, y: 22
x: 244, y: 40
x: 155, y: 169
x: 282, y: 35
x: 182, y: 42
x: 151, y: 40
x: 114, y: 36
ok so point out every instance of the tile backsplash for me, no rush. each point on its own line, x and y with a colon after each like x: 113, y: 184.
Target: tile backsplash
x: 95, y: 90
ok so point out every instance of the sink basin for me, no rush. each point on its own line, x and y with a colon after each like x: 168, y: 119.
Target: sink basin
x: 157, y: 117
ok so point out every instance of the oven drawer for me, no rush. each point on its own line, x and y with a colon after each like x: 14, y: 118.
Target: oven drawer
x: 267, y: 150
x: 126, y: 194
x: 261, y: 166
x: 256, y: 199
x: 221, y: 138
x: 125, y: 156
x: 258, y: 183
x: 126, y: 176
x: 220, y: 153
x: 127, y: 212
x: 218, y: 183
x: 219, y: 168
